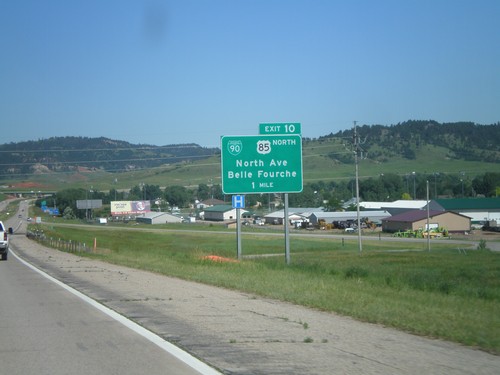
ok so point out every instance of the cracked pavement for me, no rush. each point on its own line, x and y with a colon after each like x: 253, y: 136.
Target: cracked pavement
x: 240, y: 333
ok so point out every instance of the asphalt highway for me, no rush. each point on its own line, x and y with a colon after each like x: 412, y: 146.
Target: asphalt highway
x: 47, y: 330
x: 235, y: 332
x: 46, y: 327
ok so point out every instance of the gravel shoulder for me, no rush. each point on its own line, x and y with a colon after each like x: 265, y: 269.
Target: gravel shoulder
x: 239, y: 333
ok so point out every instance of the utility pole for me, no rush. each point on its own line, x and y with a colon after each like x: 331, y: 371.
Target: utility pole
x: 356, y: 151
x: 428, y: 223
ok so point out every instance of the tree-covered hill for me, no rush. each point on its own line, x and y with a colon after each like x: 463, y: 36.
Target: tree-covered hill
x: 412, y: 140
x: 464, y: 140
x: 72, y: 153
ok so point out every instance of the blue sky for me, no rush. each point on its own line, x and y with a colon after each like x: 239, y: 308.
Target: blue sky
x: 167, y: 72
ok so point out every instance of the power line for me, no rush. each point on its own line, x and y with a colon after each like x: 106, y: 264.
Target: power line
x: 79, y: 162
x: 148, y: 148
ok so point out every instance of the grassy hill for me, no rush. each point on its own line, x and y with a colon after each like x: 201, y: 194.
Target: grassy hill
x: 327, y: 158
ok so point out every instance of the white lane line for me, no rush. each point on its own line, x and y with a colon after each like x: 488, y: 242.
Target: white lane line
x: 185, y: 357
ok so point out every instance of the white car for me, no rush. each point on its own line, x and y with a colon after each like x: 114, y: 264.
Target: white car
x: 4, y: 241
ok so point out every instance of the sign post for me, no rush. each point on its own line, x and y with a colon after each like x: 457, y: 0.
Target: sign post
x: 238, y: 203
x: 283, y: 128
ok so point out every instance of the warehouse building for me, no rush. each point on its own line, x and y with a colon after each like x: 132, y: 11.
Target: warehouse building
x: 417, y: 219
x: 158, y: 218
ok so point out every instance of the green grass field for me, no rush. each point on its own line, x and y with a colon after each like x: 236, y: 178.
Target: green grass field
x: 445, y: 294
x: 10, y: 209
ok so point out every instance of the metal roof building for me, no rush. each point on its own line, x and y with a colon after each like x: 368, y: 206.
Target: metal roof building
x: 221, y: 212
x: 158, y: 218
x: 294, y: 214
x: 478, y: 209
x: 417, y: 219
x: 395, y: 207
x: 329, y: 217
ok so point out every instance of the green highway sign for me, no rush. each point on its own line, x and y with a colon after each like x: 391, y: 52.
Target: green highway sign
x: 280, y: 128
x: 261, y: 164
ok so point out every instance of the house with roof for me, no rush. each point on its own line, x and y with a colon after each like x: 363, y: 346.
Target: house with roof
x: 294, y: 215
x: 221, y: 212
x: 315, y: 214
x: 208, y: 203
x: 480, y: 210
x: 417, y: 219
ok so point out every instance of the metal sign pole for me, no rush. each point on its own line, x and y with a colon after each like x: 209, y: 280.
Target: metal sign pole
x: 286, y: 222
x: 238, y: 203
x: 238, y: 232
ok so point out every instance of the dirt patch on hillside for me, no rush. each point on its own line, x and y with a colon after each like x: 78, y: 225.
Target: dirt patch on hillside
x: 29, y: 185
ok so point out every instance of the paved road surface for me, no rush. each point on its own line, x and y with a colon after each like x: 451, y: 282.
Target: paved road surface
x: 243, y: 334
x: 46, y: 330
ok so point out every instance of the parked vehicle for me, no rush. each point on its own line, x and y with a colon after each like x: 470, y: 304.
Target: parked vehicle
x: 4, y: 240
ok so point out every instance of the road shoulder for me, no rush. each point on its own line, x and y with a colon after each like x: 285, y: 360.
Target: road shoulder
x: 245, y: 334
